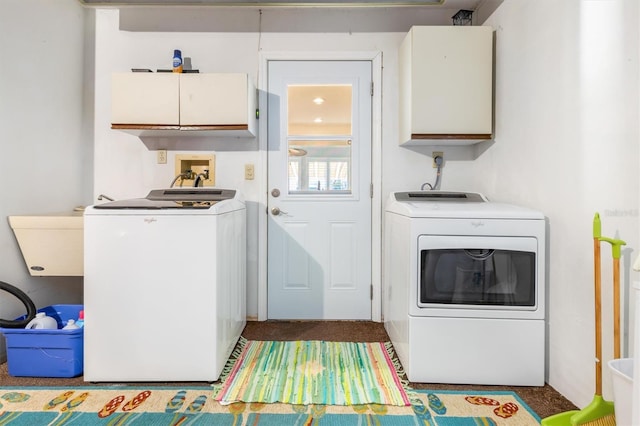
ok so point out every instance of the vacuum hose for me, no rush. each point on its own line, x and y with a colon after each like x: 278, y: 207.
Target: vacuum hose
x: 26, y: 301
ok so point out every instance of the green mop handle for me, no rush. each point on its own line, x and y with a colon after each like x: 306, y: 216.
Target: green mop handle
x: 615, y: 245
x: 616, y: 252
x: 597, y: 232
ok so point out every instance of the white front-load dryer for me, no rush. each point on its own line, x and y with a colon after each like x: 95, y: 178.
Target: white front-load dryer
x: 464, y: 288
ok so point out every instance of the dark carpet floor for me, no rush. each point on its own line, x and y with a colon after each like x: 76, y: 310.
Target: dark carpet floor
x: 543, y: 400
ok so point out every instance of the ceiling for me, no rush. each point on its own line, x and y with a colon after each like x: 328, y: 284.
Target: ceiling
x: 449, y: 4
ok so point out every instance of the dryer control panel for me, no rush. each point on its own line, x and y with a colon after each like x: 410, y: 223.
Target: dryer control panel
x: 458, y: 197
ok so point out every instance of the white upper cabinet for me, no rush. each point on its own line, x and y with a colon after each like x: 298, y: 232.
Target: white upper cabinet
x: 145, y: 99
x: 213, y: 99
x: 174, y: 104
x: 446, y: 85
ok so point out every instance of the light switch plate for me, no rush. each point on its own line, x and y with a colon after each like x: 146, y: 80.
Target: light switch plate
x: 249, y: 172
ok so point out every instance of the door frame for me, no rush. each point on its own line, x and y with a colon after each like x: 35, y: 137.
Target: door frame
x: 376, y: 167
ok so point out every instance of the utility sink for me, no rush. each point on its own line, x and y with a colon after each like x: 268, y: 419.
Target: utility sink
x: 52, y: 244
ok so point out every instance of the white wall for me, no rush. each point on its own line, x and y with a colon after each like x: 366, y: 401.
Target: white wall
x: 42, y: 132
x: 566, y: 143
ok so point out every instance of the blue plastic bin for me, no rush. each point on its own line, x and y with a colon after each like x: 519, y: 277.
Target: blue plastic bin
x: 46, y: 353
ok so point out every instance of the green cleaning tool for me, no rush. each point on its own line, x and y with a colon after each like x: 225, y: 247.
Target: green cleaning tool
x: 599, y: 412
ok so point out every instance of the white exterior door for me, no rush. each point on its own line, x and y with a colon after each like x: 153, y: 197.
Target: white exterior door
x: 319, y: 202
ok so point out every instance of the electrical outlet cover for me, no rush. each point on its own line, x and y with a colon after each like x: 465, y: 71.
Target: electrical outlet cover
x: 435, y: 154
x: 162, y: 156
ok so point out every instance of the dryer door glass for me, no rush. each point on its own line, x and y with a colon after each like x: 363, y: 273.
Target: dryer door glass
x: 477, y: 277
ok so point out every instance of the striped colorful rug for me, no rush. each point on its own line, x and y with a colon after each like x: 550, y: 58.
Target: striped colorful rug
x: 313, y: 372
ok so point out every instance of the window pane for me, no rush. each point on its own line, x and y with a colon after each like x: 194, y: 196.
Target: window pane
x: 320, y: 166
x: 339, y: 175
x: 317, y: 172
x: 294, y: 175
x: 316, y: 110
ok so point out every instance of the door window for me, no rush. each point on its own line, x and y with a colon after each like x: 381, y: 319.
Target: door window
x: 319, y: 136
x: 320, y: 166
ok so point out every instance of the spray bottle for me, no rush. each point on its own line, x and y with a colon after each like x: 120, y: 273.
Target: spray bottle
x: 177, y: 61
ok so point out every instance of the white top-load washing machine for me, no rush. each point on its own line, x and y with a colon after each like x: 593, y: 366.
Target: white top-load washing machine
x: 164, y: 285
x: 464, y: 288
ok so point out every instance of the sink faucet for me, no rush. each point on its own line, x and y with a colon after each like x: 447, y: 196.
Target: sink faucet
x: 204, y: 175
x: 104, y: 197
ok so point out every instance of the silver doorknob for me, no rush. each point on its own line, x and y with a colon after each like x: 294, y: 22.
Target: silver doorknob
x: 276, y: 211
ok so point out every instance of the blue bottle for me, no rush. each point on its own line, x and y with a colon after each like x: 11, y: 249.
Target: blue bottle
x: 177, y: 61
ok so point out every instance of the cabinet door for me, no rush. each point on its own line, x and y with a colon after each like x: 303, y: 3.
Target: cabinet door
x: 446, y: 82
x: 145, y: 99
x: 452, y: 77
x: 213, y: 100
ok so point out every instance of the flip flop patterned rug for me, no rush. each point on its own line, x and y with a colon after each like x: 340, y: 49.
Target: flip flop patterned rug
x: 313, y: 372
x: 93, y: 405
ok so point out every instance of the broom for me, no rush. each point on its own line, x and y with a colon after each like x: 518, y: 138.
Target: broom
x: 601, y: 412
x: 598, y: 408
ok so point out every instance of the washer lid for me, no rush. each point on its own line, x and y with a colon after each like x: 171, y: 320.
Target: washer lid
x: 174, y: 198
